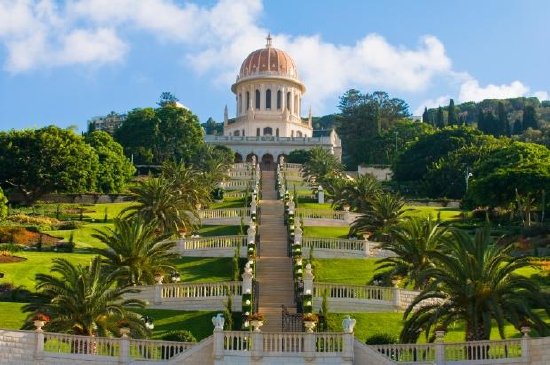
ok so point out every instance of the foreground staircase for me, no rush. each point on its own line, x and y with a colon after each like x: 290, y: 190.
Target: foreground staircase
x: 274, y: 267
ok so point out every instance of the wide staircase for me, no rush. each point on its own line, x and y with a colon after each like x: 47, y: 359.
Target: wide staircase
x: 274, y: 267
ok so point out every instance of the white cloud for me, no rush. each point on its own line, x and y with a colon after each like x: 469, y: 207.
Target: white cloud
x: 432, y: 103
x: 542, y: 95
x: 472, y: 91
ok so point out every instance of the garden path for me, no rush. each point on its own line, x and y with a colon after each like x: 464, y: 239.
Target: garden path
x: 274, y: 267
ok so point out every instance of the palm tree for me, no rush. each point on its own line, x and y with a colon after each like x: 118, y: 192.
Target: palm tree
x: 135, y: 251
x: 159, y: 201
x: 321, y: 166
x: 384, y: 211
x: 193, y: 185
x: 475, y: 282
x: 355, y: 193
x: 413, y: 241
x: 84, y: 300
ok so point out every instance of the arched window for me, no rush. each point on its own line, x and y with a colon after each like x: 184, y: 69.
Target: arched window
x: 268, y: 131
x: 298, y: 134
x: 292, y: 133
x: 243, y: 132
x: 279, y: 99
x: 268, y: 99
x: 288, y: 100
x: 240, y: 102
x: 257, y: 99
x: 247, y: 100
x: 236, y: 133
x: 277, y: 132
x: 257, y: 132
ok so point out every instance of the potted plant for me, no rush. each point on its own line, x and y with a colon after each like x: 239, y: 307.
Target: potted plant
x: 310, y: 321
x: 256, y: 321
x: 40, y: 319
x: 158, y: 276
x: 123, y: 327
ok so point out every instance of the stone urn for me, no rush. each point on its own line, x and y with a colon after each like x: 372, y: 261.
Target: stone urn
x: 39, y: 324
x: 309, y: 325
x: 124, y: 331
x: 218, y: 321
x: 256, y: 324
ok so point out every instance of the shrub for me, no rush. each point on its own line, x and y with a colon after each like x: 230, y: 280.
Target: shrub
x: 64, y: 247
x: 68, y: 225
x: 381, y: 339
x: 179, y: 336
x: 10, y: 247
x: 33, y: 220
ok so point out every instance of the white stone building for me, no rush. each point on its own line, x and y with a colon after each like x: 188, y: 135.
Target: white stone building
x: 268, y: 123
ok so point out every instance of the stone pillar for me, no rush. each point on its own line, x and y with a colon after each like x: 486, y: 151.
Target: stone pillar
x: 292, y: 102
x: 247, y: 279
x: 158, y: 289
x: 366, y: 248
x: 39, y: 345
x: 396, y: 298
x: 297, y: 233
x: 309, y: 346
x: 440, y: 347
x: 525, y: 342
x: 308, y: 280
x: 218, y: 346
x: 124, y: 355
x: 251, y: 234
x: 320, y: 195
x: 257, y: 345
x: 347, y: 351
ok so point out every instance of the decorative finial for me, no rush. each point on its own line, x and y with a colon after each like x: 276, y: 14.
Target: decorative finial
x: 268, y: 40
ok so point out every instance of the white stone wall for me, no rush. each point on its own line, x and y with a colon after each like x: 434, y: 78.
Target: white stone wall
x: 17, y: 347
x: 380, y: 173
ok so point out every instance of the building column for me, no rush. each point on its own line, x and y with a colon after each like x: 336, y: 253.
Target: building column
x: 292, y: 102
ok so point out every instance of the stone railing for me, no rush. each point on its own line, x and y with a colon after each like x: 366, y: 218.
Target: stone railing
x: 320, y: 214
x: 513, y: 351
x: 242, y: 166
x: 107, y: 350
x: 292, y: 166
x: 214, y: 246
x: 293, y: 345
x: 361, y: 298
x: 176, y: 291
x: 230, y: 216
x: 234, y: 194
x: 239, y: 184
x: 241, y: 174
x: 342, y: 248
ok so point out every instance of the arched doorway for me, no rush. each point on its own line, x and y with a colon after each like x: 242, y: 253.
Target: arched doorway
x: 282, y: 155
x: 238, y: 158
x: 249, y: 157
x: 267, y: 158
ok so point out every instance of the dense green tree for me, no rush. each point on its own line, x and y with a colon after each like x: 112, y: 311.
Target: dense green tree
x: 138, y: 135
x: 364, y: 116
x: 413, y: 241
x: 453, y: 117
x: 84, y: 300
x: 426, y: 116
x: 475, y: 282
x: 355, y: 193
x: 213, y: 128
x: 3, y: 205
x: 50, y: 159
x: 167, y: 98
x: 430, y: 148
x: 135, y: 251
x: 213, y: 163
x: 298, y: 156
x: 518, y: 127
x: 114, y: 168
x: 530, y: 119
x: 504, y: 125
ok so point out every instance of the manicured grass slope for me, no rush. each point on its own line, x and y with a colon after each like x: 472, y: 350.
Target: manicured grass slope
x: 348, y: 271
x: 333, y: 232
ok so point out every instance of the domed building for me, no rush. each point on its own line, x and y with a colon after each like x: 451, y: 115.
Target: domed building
x: 268, y: 124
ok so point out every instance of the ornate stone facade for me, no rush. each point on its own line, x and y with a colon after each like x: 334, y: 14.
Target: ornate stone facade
x: 268, y: 124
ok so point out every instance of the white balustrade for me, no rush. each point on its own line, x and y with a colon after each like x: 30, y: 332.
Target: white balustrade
x: 234, y: 194
x: 224, y: 213
x: 339, y: 244
x: 408, y: 353
x: 320, y: 214
x: 157, y: 350
x: 212, y: 242
x: 343, y: 291
x: 236, y: 341
x: 239, y: 184
x: 81, y: 345
x: 177, y: 291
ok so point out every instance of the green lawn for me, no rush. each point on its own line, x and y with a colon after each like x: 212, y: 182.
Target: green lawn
x: 23, y: 273
x: 349, y: 271
x: 201, y: 269
x: 323, y: 206
x: 208, y: 231
x: 334, y: 232
x: 11, y: 316
x: 425, y: 211
x: 228, y: 203
x: 199, y: 323
x: 82, y: 236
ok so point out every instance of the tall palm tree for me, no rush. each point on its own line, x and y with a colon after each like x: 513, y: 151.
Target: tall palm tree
x: 135, y: 251
x: 159, y: 201
x: 84, y: 300
x: 413, y: 241
x: 384, y: 211
x: 475, y: 282
x: 321, y: 166
x: 193, y: 185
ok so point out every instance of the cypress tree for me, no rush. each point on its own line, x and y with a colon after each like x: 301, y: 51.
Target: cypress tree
x: 504, y: 126
x: 452, y: 119
x: 425, y: 116
x: 518, y: 127
x: 439, y: 120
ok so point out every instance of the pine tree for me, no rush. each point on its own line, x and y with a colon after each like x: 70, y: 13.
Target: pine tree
x: 529, y: 118
x: 439, y: 120
x: 504, y: 126
x: 452, y: 119
x: 481, y: 120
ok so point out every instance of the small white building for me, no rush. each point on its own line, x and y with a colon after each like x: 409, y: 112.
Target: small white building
x: 268, y: 123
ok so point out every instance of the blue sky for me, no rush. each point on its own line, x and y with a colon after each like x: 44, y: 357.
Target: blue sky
x: 63, y: 62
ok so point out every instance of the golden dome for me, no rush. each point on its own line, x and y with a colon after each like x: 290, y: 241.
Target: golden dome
x: 268, y: 61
